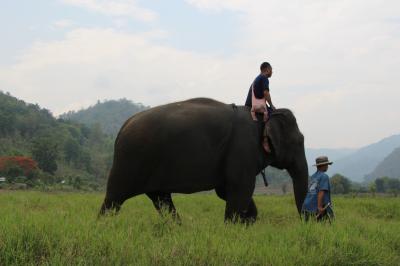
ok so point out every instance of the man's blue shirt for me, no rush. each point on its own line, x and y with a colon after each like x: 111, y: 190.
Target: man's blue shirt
x: 319, y: 181
x: 261, y: 84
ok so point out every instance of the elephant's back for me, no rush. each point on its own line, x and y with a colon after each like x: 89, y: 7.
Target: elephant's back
x: 177, y: 110
x: 168, y: 143
x: 201, y: 112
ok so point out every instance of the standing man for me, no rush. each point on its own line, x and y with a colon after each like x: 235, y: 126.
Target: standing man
x: 258, y: 96
x: 318, y: 200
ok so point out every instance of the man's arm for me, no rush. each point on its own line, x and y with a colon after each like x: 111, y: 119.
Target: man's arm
x: 267, y: 98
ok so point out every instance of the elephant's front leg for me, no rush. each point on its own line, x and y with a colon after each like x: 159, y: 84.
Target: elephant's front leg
x: 240, y: 180
x: 237, y: 214
x: 251, y: 213
x: 240, y: 209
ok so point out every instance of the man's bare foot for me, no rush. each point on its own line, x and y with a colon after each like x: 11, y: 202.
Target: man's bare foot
x: 266, y: 146
x: 253, y: 115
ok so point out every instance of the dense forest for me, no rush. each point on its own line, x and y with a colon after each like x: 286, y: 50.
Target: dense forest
x: 62, y: 151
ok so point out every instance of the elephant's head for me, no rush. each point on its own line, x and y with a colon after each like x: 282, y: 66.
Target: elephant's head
x: 287, y: 145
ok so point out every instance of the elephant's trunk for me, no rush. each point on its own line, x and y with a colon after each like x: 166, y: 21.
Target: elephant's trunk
x: 299, y: 176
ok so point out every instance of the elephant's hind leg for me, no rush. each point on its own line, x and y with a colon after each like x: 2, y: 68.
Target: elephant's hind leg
x: 163, y: 201
x: 110, y: 205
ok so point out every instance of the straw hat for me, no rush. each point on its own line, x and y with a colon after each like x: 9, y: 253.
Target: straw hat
x: 322, y: 160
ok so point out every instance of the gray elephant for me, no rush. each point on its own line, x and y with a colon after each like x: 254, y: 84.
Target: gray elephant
x: 202, y: 144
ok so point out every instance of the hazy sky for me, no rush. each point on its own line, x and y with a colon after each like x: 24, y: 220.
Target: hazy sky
x: 336, y: 63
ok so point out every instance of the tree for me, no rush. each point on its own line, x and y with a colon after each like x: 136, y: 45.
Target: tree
x: 380, y: 184
x: 340, y: 184
x: 6, y: 123
x: 14, y: 166
x: 72, y: 150
x: 77, y: 183
x: 394, y: 184
x: 96, y: 136
x: 387, y: 184
x: 86, y: 161
x: 372, y: 188
x: 45, y: 152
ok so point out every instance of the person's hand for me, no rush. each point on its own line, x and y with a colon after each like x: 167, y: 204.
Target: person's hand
x: 321, y: 210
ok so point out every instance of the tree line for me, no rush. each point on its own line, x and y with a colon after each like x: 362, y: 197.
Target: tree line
x: 61, y: 149
x: 36, y: 148
x: 342, y: 185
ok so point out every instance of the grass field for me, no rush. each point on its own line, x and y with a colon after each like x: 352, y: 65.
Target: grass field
x: 63, y: 229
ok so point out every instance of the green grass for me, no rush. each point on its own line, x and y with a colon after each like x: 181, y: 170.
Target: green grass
x: 63, y: 229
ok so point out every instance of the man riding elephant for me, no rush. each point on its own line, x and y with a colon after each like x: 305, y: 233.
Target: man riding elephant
x: 258, y: 96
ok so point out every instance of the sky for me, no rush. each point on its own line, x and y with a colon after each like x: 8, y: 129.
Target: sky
x: 336, y: 63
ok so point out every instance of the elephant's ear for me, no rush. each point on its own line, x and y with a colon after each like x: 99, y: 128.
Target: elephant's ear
x: 275, y: 134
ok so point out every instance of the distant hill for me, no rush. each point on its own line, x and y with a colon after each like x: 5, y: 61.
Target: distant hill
x: 364, y: 160
x: 110, y: 115
x: 333, y: 154
x: 389, y: 167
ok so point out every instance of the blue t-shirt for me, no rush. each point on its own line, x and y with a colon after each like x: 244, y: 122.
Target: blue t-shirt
x: 261, y: 84
x: 319, y: 181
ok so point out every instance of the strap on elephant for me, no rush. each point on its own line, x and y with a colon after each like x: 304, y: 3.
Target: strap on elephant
x: 264, y: 177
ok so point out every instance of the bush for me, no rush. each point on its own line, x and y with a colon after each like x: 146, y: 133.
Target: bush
x: 387, y: 184
x: 340, y: 184
x: 14, y: 166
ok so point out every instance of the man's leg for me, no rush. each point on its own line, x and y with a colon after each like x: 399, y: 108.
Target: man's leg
x: 265, y: 135
x: 253, y: 114
x: 305, y: 215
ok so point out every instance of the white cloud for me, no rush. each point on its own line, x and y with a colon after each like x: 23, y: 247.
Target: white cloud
x: 219, y: 5
x: 335, y: 65
x: 116, y: 8
x: 91, y: 64
x: 63, y: 23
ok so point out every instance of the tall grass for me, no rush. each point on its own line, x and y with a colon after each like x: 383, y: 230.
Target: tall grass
x: 63, y: 229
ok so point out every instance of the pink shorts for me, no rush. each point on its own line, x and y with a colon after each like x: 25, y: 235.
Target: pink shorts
x: 259, y: 109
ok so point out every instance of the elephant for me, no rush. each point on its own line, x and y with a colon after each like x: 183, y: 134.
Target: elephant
x: 199, y: 145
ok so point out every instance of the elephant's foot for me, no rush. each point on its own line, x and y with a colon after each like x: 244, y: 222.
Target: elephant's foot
x: 251, y: 213
x: 110, y: 206
x: 234, y: 214
x: 176, y: 218
x: 239, y: 218
x: 163, y: 203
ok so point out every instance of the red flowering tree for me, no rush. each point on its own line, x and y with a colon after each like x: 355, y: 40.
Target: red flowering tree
x: 17, y: 165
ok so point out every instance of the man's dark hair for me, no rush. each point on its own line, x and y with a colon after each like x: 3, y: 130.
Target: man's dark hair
x: 264, y: 66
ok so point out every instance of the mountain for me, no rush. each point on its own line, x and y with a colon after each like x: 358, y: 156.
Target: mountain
x: 333, y: 154
x: 110, y: 115
x: 389, y: 167
x: 364, y: 160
